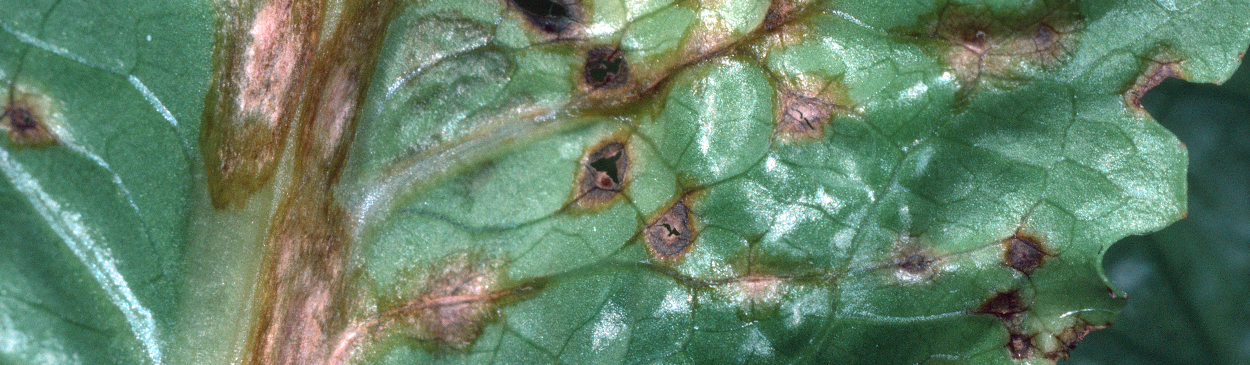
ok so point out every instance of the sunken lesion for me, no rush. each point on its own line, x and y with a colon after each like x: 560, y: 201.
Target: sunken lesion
x: 979, y: 45
x: 457, y: 300
x: 25, y: 118
x: 604, y: 174
x: 259, y: 72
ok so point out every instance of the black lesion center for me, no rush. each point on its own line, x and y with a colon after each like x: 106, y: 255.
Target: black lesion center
x: 606, y: 67
x: 608, y: 166
x: 552, y: 16
x: 543, y: 8
x: 672, y: 232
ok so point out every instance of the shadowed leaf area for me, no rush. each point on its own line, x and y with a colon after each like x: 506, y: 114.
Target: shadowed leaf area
x: 608, y: 182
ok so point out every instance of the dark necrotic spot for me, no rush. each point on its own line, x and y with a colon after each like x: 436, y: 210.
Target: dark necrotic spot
x: 669, y: 234
x: 551, y: 16
x: 606, y: 68
x: 21, y: 119
x: 1023, y: 254
x: 1005, y: 305
x: 24, y: 127
x: 603, y: 173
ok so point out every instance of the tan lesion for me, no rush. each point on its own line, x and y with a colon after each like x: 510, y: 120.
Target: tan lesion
x: 262, y: 54
x: 303, y: 302
x: 804, y: 109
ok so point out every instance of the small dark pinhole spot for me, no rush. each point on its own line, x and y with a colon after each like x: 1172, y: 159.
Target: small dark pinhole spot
x: 1044, y: 37
x: 606, y: 68
x: 1023, y: 254
x: 669, y: 234
x: 551, y: 16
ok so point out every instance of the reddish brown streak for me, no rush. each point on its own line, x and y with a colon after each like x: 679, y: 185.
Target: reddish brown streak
x: 302, y: 293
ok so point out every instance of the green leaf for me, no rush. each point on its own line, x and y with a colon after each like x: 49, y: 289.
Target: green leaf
x: 300, y: 181
x: 1181, y: 281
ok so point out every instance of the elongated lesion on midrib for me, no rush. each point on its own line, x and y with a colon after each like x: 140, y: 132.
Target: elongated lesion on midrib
x: 301, y: 300
x: 259, y: 68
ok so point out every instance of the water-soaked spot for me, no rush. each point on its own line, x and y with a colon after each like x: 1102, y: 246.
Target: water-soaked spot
x: 1158, y: 68
x: 1024, y: 253
x: 25, y: 125
x: 756, y: 295
x: 981, y: 43
x: 669, y: 234
x: 605, y: 68
x: 549, y: 16
x: 604, y: 173
x: 1007, y: 306
x: 1070, y: 338
x: 1020, y: 345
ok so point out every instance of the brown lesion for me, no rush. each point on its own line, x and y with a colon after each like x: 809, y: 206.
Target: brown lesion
x: 757, y: 294
x: 25, y: 118
x: 605, y: 68
x: 913, y: 261
x: 1161, y: 66
x: 705, y: 40
x: 1010, y: 309
x: 458, y: 297
x: 1070, y: 338
x: 1025, y: 252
